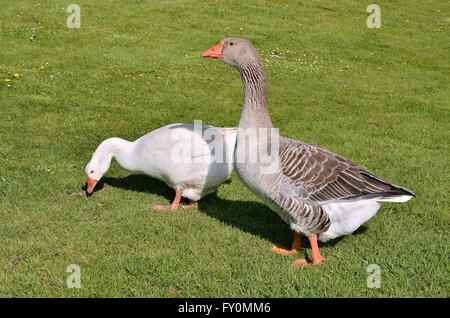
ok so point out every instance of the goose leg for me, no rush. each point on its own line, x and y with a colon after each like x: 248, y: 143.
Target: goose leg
x: 280, y: 249
x: 315, y: 254
x: 174, y: 205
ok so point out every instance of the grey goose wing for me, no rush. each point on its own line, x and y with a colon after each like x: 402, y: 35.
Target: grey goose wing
x: 319, y: 175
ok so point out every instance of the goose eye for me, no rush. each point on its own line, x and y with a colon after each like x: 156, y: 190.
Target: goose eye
x: 92, y: 171
x: 231, y: 43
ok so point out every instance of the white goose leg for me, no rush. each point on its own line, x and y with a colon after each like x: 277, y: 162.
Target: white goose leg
x: 175, y: 204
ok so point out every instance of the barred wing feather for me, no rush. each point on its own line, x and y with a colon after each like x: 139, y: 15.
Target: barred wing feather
x: 320, y: 176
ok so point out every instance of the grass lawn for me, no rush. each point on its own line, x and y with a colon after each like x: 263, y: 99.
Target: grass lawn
x: 379, y: 97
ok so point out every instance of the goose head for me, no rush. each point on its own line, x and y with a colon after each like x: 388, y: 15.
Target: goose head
x: 234, y: 52
x: 95, y: 169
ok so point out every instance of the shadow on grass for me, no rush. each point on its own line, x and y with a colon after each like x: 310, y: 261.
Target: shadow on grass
x: 249, y: 216
x: 142, y: 183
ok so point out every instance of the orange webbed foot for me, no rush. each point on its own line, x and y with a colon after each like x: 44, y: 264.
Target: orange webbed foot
x: 301, y: 262
x: 280, y: 249
x: 191, y: 203
x: 316, y: 257
x: 175, y: 204
x: 306, y: 262
x: 163, y: 207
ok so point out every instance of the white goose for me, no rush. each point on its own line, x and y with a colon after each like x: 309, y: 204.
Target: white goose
x: 184, y: 156
x: 318, y: 193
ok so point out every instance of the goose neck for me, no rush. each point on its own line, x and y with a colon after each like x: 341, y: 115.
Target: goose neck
x: 122, y: 150
x: 254, y: 82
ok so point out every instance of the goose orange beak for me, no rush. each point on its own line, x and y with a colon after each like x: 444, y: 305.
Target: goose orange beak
x: 90, y: 185
x: 215, y: 52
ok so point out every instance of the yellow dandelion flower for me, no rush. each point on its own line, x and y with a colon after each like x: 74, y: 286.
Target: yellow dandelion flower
x: 404, y: 63
x: 106, y: 54
x: 16, y: 75
x: 140, y: 75
x: 286, y: 5
x: 42, y: 67
x: 159, y: 77
x: 438, y: 11
x: 371, y: 53
x: 7, y: 80
x: 134, y: 78
x: 323, y: 13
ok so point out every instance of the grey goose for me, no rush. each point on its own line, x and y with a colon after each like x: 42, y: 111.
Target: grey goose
x: 318, y: 193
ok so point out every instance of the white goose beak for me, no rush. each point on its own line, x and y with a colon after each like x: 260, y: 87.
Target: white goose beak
x: 90, y: 185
